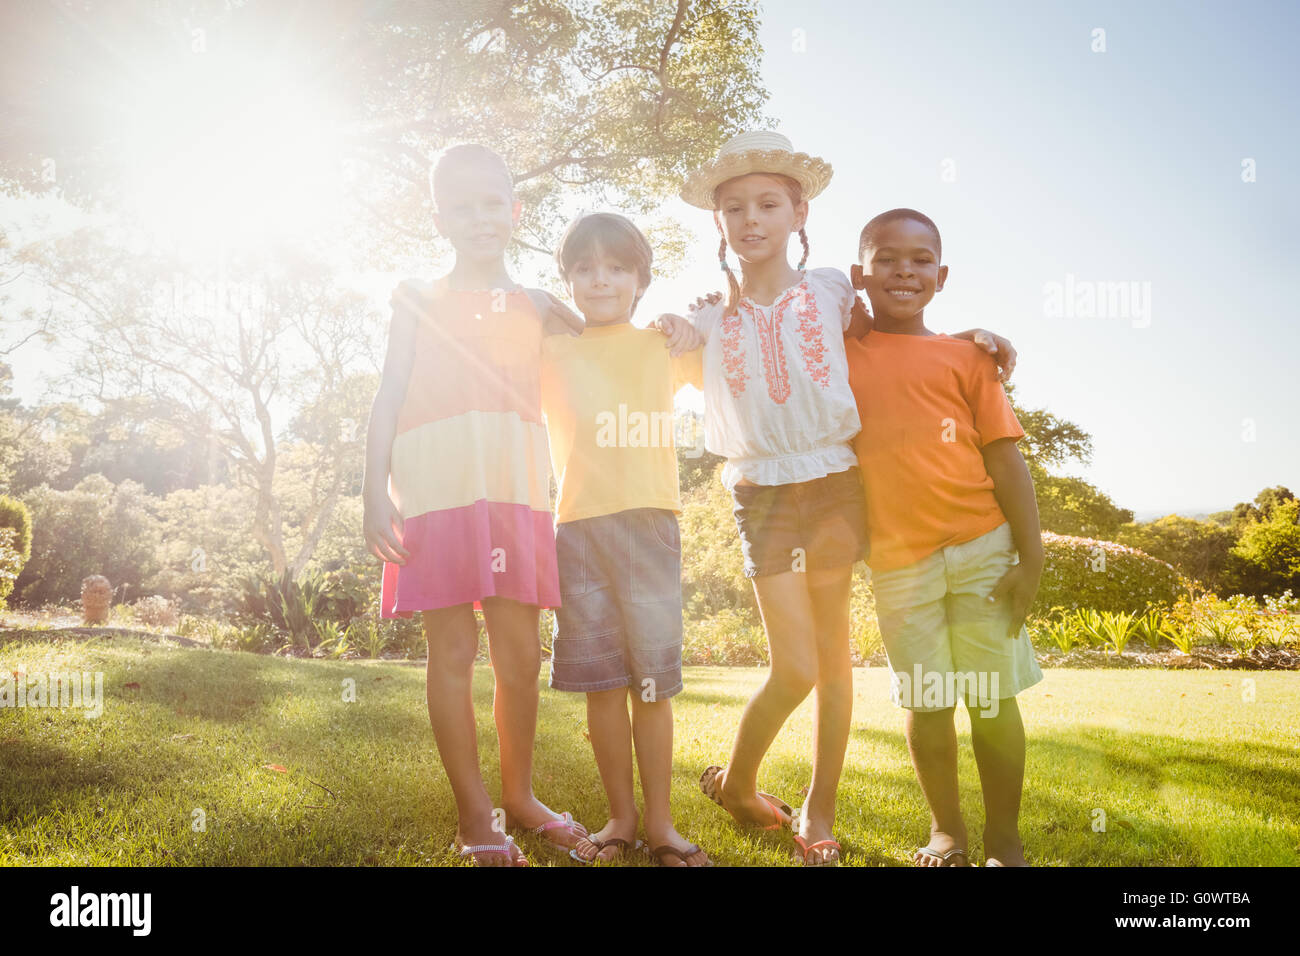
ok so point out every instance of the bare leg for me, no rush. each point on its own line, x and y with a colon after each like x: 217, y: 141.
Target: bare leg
x: 830, y: 598
x: 452, y: 636
x: 932, y: 741
x: 999, y: 744
x: 516, y: 653
x: 652, y: 723
x: 611, y: 741
x: 788, y: 620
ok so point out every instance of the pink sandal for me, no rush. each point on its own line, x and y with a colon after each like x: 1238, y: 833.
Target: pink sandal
x: 809, y: 847
x: 502, y: 848
x: 566, y: 822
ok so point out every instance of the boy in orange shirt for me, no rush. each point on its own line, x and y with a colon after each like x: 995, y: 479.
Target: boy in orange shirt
x: 950, y: 506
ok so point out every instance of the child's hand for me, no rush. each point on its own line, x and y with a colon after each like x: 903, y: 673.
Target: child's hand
x: 1019, y: 586
x: 861, y: 322
x: 713, y: 298
x: 381, y: 518
x: 560, y: 319
x: 682, y: 336
x: 1000, y: 349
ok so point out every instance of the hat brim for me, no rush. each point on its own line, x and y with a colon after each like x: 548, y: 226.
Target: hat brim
x: 812, y: 173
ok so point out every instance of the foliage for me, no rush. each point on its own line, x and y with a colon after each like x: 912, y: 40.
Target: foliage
x: 1151, y: 627
x: 1058, y: 628
x: 713, y: 575
x: 1245, y: 512
x: 15, y: 543
x: 1073, y: 506
x: 1199, y: 549
x: 1103, y: 575
x: 1116, y: 629
x: 155, y: 611
x: 205, y: 546
x: 614, y: 100
x: 289, y: 605
x: 335, y: 641
x: 370, y: 638
x: 95, y: 528
x: 1266, y: 558
x: 1066, y: 505
x: 11, y: 563
x: 725, y: 637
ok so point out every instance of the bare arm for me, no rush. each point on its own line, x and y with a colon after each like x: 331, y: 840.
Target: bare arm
x: 382, y: 518
x: 557, y: 318
x: 861, y: 322
x: 1014, y: 489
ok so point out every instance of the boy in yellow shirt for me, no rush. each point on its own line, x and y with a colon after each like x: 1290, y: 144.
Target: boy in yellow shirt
x: 607, y: 397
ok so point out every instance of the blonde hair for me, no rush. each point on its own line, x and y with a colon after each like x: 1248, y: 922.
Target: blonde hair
x: 463, y: 154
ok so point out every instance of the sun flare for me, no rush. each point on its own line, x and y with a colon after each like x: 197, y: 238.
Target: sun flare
x: 230, y: 151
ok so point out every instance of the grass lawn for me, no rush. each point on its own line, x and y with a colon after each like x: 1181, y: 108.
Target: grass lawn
x: 1186, y: 771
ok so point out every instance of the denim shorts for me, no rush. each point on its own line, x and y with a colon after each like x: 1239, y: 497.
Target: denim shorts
x: 808, y: 525
x: 619, y: 622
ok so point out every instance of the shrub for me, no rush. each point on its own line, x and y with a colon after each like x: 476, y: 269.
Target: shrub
x: 96, y: 528
x: 1199, y: 549
x: 1104, y: 576
x: 287, y: 605
x: 1058, y: 628
x: 713, y: 576
x: 1266, y: 558
x: 11, y: 563
x: 727, y: 637
x: 15, y: 543
x: 156, y: 611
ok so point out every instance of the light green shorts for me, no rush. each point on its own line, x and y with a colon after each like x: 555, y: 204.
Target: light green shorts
x: 944, y: 639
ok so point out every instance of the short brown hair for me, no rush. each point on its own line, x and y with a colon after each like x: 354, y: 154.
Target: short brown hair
x: 610, y: 233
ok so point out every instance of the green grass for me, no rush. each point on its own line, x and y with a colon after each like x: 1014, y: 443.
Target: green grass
x: 1186, y: 771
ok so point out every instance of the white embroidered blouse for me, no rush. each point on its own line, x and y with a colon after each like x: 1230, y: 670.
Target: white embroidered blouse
x: 777, y: 403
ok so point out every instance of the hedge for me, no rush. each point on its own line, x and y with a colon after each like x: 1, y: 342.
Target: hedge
x: 1104, y: 575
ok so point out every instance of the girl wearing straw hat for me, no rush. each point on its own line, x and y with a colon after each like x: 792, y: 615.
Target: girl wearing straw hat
x: 778, y: 407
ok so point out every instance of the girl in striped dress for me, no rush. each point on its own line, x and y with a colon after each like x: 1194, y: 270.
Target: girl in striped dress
x: 457, y: 495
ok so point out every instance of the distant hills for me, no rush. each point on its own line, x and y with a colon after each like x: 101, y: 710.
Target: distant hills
x: 1200, y: 515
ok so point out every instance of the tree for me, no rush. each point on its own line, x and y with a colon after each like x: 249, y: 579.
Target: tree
x: 1197, y: 548
x: 95, y: 528
x: 1261, y: 509
x: 284, y: 343
x: 1266, y: 559
x: 1065, y: 505
x: 617, y: 98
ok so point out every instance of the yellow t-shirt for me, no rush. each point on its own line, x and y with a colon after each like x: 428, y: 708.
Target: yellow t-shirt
x: 607, y: 396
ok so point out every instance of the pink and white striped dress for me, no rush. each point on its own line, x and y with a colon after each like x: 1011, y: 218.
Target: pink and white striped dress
x: 470, y: 467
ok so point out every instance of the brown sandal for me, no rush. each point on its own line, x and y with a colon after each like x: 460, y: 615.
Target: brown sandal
x: 660, y: 852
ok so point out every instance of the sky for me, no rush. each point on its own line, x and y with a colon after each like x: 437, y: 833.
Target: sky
x: 1059, y: 163
x: 1049, y: 167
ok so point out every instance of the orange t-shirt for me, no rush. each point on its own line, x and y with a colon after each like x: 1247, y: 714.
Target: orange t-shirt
x: 928, y: 404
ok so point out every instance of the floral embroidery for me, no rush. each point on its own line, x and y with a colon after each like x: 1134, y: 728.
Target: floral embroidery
x: 733, y: 355
x: 811, y: 344
x: 767, y: 325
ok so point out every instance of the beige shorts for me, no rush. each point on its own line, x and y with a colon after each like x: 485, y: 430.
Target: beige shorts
x: 944, y: 639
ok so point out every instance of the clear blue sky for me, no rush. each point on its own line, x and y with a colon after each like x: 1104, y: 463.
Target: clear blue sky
x: 1115, y: 166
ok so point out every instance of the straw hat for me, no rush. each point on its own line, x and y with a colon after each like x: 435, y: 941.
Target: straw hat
x: 758, y: 151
